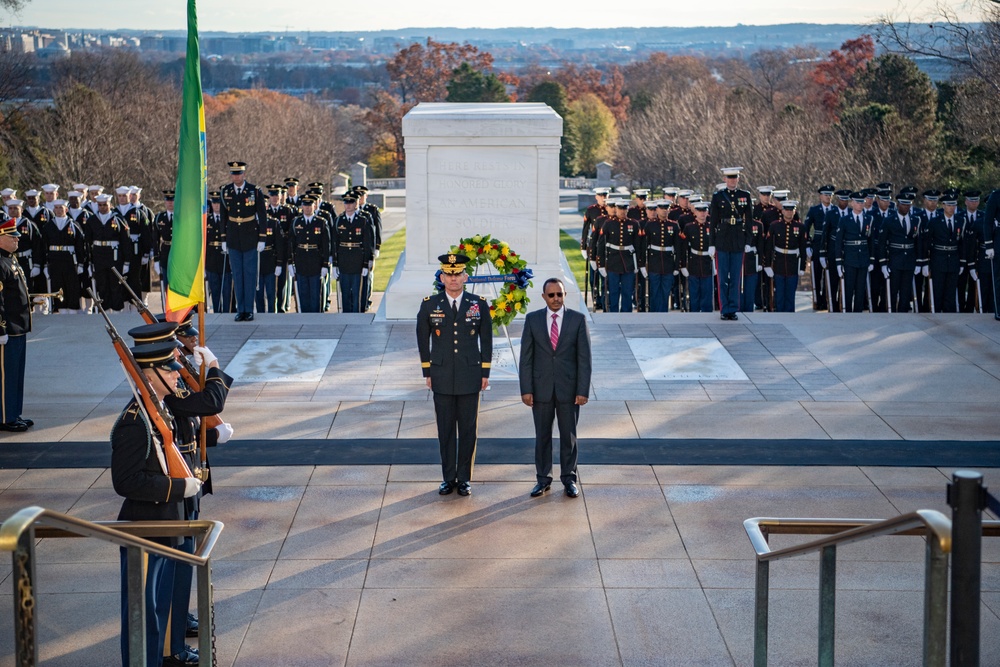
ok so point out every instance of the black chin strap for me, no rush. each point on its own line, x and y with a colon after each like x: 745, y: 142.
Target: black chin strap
x: 173, y: 390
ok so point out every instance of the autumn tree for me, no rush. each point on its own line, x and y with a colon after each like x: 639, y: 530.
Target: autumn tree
x: 775, y: 77
x: 834, y: 75
x: 471, y: 85
x: 646, y: 79
x: 594, y: 133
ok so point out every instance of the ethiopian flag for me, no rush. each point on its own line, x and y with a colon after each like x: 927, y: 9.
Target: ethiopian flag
x: 186, y: 266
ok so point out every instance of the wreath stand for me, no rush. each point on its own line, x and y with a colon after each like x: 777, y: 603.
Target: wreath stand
x: 490, y: 279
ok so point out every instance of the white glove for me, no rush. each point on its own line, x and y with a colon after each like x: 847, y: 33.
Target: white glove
x: 840, y: 271
x: 291, y: 270
x: 926, y: 271
x: 323, y: 272
x: 748, y: 249
x: 46, y: 272
x: 91, y: 265
x: 645, y: 273
x: 593, y: 264
x: 364, y: 272
x: 79, y: 269
x: 192, y: 486
x: 871, y: 267
x: 603, y: 271
x: 636, y: 269
x: 225, y: 431
x: 203, y: 356
x: 676, y: 272
x: 989, y: 254
x: 35, y: 271
x: 125, y: 268
x: 225, y: 248
x: 3, y: 339
x: 885, y: 272
x: 711, y: 251
x: 583, y: 253
x: 916, y: 271
x: 809, y: 253
x: 801, y: 272
x: 769, y: 271
x: 975, y: 276
x: 685, y: 273
x: 277, y: 271
x: 822, y: 262
x: 377, y: 253
x: 336, y: 273
x: 260, y: 246
x: 145, y: 260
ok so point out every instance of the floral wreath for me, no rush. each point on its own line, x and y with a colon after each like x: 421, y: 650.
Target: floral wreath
x: 513, y: 299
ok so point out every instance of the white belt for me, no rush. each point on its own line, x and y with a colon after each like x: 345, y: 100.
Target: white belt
x: 699, y: 252
x: 106, y: 244
x: 62, y: 248
x: 855, y: 242
x: 783, y: 251
x: 621, y: 247
x: 660, y: 248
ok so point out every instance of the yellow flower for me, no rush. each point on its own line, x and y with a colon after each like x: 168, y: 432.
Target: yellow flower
x: 510, y: 297
x: 469, y: 247
x: 517, y: 306
x: 499, y: 263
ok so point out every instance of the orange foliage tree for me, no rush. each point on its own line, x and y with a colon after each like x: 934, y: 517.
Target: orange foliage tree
x: 835, y: 75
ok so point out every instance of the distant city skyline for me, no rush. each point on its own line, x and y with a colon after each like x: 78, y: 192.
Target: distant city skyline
x: 316, y: 15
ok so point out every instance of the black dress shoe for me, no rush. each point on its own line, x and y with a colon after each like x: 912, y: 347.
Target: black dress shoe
x: 14, y: 426
x: 238, y: 318
x: 734, y: 316
x: 572, y: 490
x: 28, y: 422
x: 186, y: 658
x: 446, y: 488
x: 539, y: 489
x: 192, y: 626
x: 247, y: 317
x: 464, y: 489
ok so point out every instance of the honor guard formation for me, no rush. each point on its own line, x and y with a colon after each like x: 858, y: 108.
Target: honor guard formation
x: 268, y: 250
x: 872, y: 249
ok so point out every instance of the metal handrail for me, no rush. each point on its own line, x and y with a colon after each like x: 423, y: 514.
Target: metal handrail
x: 18, y: 533
x: 935, y: 525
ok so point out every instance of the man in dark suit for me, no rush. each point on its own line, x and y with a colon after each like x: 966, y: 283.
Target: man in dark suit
x: 455, y: 340
x: 554, y: 373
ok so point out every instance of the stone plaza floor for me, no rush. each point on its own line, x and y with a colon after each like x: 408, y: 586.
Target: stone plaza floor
x: 339, y: 551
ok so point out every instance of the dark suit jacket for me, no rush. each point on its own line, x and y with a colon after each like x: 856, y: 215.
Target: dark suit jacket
x: 455, y: 353
x: 563, y: 373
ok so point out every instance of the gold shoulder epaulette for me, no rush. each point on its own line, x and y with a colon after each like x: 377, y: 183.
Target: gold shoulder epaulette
x: 427, y: 298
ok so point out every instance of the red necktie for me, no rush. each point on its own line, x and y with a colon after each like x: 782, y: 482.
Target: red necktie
x: 554, y: 331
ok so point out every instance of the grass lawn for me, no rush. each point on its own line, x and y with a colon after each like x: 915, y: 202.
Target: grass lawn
x: 394, y: 245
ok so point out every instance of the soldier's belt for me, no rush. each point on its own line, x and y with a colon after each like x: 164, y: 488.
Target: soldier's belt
x: 252, y: 218
x: 732, y: 220
x: 169, y: 242
x: 106, y: 244
x: 753, y: 250
x: 901, y: 246
x: 785, y: 251
x: 660, y: 248
x: 62, y: 248
x: 24, y: 253
x: 855, y: 242
x: 817, y: 234
x: 349, y: 245
x: 307, y: 246
x: 701, y: 253
x: 630, y: 248
x: 211, y: 243
x: 134, y: 237
x: 187, y: 448
x: 946, y: 248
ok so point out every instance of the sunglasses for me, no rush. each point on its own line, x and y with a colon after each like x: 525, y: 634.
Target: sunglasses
x: 552, y: 295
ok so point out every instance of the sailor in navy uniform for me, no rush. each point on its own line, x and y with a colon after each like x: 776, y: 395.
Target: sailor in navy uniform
x: 455, y: 340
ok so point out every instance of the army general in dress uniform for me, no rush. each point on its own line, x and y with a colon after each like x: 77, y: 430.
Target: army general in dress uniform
x: 455, y: 340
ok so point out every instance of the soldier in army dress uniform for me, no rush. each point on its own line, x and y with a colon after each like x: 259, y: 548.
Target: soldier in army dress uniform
x: 455, y: 341
x: 245, y: 215
x: 353, y: 252
x: 268, y: 255
x: 308, y: 255
x: 15, y: 325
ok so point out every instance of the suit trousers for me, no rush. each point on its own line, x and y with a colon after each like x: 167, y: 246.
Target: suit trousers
x: 457, y: 416
x: 566, y: 415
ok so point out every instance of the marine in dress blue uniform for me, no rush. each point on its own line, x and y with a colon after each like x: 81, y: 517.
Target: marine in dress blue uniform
x: 730, y: 214
x: 785, y: 256
x: 659, y: 248
x: 592, y: 218
x: 696, y: 259
x: 617, y: 262
x: 455, y: 341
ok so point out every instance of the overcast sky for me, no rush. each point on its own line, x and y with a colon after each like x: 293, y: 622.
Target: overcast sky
x: 272, y: 16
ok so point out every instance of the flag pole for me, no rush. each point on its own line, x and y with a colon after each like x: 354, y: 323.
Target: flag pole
x: 201, y: 380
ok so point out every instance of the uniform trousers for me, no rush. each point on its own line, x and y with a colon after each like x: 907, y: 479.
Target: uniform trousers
x: 159, y: 593
x: 596, y: 287
x: 109, y: 290
x: 995, y: 262
x: 366, y: 290
x: 877, y: 283
x: 220, y: 286
x: 945, y: 288
x: 855, y: 288
x: 660, y: 286
x: 749, y: 295
x: 819, y: 283
x: 181, y: 600
x: 966, y: 287
x: 283, y: 290
x: 457, y: 424
x: 566, y: 414
x: 265, y: 292
x: 784, y: 293
x: 350, y: 292
x: 985, y: 286
x: 244, y: 263
x: 701, y: 291
x: 12, y: 356
x: 729, y: 267
x: 309, y: 292
x: 621, y: 287
x: 63, y: 275
x: 901, y: 290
